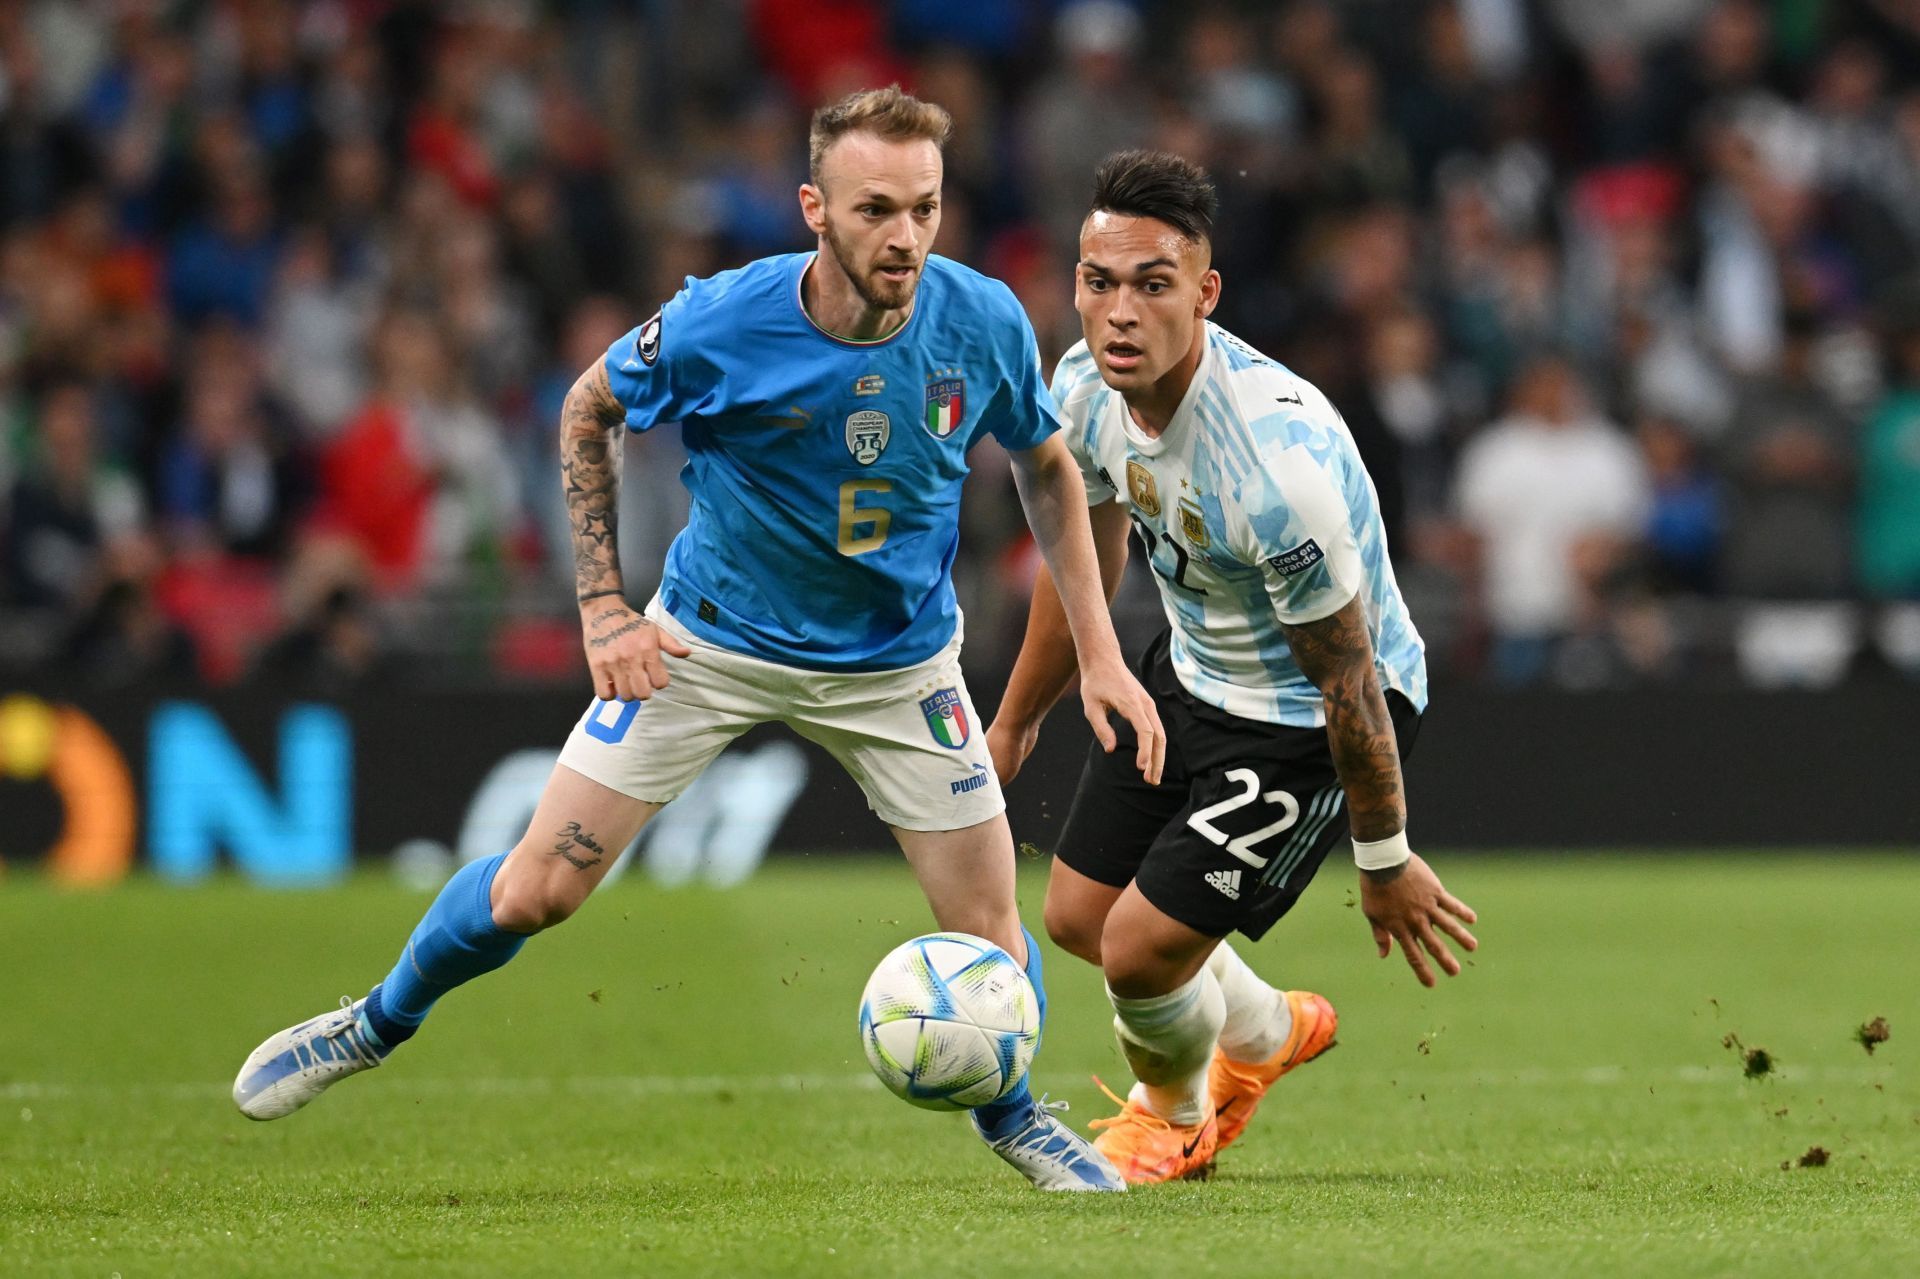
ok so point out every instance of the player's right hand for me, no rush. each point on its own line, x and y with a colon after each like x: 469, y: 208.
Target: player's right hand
x: 1010, y: 744
x: 624, y: 651
x: 1112, y: 687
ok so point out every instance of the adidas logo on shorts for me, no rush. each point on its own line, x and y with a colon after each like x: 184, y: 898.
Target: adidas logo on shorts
x: 1227, y: 881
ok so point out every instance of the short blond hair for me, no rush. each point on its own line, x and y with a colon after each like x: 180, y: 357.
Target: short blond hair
x: 890, y: 113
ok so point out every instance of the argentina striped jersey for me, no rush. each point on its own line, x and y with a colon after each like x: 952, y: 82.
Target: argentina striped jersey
x: 1256, y: 512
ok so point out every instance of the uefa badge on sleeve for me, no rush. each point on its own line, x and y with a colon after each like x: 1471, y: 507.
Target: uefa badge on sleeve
x: 946, y: 718
x: 648, y: 344
x: 946, y: 403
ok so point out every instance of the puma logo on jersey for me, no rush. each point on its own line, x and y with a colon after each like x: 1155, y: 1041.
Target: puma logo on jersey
x: 1227, y: 881
x: 793, y: 419
x: 1289, y: 399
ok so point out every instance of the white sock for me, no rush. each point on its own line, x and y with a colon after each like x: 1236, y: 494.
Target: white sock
x: 1168, y: 1040
x: 1258, y: 1019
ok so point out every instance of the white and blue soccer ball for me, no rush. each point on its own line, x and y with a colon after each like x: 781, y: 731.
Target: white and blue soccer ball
x: 949, y: 1022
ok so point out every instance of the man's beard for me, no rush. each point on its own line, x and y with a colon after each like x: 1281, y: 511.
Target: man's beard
x: 868, y: 286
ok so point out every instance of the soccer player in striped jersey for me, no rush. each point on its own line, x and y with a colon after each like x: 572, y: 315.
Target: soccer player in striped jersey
x: 1290, y: 683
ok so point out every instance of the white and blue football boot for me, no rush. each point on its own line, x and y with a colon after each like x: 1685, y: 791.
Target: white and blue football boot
x: 1051, y: 1155
x: 301, y: 1062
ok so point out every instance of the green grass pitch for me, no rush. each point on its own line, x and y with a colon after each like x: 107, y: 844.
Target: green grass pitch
x: 671, y: 1085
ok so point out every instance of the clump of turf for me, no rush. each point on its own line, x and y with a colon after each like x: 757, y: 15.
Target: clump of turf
x: 1754, y: 1062
x: 1871, y: 1034
x: 1816, y: 1157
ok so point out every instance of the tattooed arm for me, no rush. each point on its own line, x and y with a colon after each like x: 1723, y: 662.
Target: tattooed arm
x: 590, y: 422
x: 1336, y: 653
x: 1404, y: 902
x: 623, y: 649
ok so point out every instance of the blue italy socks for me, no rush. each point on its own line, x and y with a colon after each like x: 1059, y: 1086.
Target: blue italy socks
x: 997, y: 1119
x: 455, y: 942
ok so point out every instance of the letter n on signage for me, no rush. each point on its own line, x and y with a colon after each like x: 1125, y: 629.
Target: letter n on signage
x: 204, y: 794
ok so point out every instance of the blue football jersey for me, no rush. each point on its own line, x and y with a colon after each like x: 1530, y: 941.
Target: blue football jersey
x: 826, y: 473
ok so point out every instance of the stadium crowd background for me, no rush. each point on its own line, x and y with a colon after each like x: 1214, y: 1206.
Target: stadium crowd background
x: 1619, y: 300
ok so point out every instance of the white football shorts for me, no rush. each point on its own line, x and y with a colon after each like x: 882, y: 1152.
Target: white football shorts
x: 909, y: 737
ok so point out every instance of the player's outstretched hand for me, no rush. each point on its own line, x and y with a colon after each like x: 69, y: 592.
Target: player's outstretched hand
x: 624, y: 651
x: 1113, y: 688
x: 1413, y: 908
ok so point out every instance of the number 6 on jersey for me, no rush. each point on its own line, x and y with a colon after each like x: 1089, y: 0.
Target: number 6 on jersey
x: 854, y: 516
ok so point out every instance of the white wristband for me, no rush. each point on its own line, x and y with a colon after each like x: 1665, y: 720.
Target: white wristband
x: 1382, y: 854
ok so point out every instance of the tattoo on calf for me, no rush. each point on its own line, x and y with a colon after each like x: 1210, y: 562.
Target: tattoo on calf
x: 572, y: 839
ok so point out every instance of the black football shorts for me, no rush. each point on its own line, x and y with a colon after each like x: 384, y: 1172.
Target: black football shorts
x: 1243, y: 816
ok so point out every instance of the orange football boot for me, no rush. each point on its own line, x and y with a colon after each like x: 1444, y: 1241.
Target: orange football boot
x: 1146, y: 1148
x: 1236, y: 1087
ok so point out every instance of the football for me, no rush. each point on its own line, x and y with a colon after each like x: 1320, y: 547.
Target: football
x: 949, y: 1022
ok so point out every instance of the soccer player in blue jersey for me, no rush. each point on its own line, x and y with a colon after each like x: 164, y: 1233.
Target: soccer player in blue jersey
x: 827, y: 401
x: 1291, y: 681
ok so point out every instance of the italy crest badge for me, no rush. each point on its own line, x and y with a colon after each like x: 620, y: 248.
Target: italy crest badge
x: 946, y: 718
x: 946, y: 404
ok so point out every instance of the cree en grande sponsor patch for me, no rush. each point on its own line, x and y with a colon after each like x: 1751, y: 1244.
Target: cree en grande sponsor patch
x: 1299, y: 559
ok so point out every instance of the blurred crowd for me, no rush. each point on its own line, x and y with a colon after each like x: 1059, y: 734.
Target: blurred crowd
x: 1621, y: 301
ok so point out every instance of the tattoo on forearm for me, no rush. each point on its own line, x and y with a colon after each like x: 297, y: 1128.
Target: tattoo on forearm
x: 590, y: 463
x: 1337, y: 655
x: 601, y: 641
x: 573, y: 839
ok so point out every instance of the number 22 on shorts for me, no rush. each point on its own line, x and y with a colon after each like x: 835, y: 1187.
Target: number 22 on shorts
x: 1242, y: 846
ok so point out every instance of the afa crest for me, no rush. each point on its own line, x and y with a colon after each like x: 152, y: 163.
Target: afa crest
x: 946, y: 403
x: 1194, y: 524
x: 1141, y: 489
x: 947, y: 718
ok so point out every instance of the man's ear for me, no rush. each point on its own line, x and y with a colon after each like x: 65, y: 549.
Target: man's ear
x: 1209, y: 293
x: 813, y: 208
